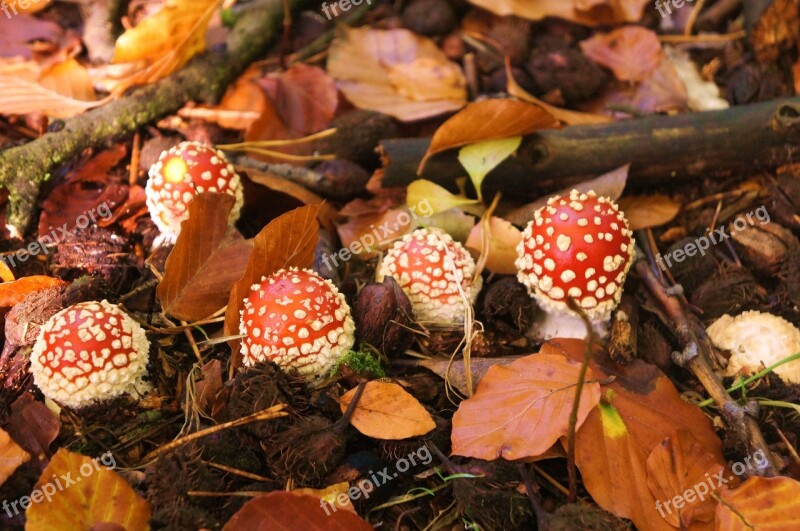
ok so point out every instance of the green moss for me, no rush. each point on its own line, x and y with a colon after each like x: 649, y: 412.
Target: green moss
x: 362, y: 363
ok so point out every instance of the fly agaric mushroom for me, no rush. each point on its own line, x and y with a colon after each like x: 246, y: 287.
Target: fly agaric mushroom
x: 756, y: 338
x: 89, y: 352
x: 297, y: 319
x: 182, y: 172
x: 578, y: 246
x: 435, y: 272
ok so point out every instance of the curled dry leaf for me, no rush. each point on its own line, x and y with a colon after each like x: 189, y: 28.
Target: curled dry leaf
x: 678, y: 465
x: 281, y: 510
x: 396, y: 72
x: 208, y: 258
x: 96, y: 496
x: 15, y: 291
x: 760, y: 503
x: 488, y: 120
x: 165, y: 41
x: 522, y: 409
x: 11, y: 456
x: 387, y: 411
x: 287, y: 241
x: 503, y: 240
x: 631, y: 52
x: 647, y: 211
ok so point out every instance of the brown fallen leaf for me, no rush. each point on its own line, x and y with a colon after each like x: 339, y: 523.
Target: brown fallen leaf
x: 285, y: 511
x: 396, y: 72
x: 387, y: 411
x: 210, y: 392
x: 760, y: 503
x: 503, y: 240
x: 454, y: 372
x: 33, y: 426
x: 522, y: 409
x: 677, y: 466
x: 648, y: 211
x: 93, y: 495
x: 287, y: 241
x: 11, y: 456
x: 591, y: 13
x: 488, y: 120
x: 208, y: 258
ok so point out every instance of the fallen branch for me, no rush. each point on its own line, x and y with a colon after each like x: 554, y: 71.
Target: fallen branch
x: 660, y: 149
x: 23, y: 169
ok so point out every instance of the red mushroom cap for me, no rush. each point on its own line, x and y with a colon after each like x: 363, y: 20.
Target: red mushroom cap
x: 433, y: 270
x: 297, y: 319
x: 88, y: 352
x: 182, y: 172
x: 578, y: 246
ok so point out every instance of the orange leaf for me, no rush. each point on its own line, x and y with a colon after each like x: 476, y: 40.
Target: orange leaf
x: 287, y: 241
x: 639, y: 409
x: 647, y: 211
x: 14, y: 292
x: 284, y: 511
x: 676, y: 468
x: 488, y: 120
x: 332, y: 495
x: 522, y: 409
x: 631, y: 52
x: 85, y: 494
x: 208, y: 258
x: 593, y: 13
x: 760, y: 503
x: 387, y: 411
x: 11, y: 456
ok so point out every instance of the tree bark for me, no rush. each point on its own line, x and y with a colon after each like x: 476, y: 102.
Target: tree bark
x: 23, y: 169
x: 660, y: 149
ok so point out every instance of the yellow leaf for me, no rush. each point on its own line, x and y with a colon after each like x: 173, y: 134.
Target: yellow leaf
x: 78, y: 492
x: 11, y: 456
x: 481, y: 158
x: 387, y: 411
x: 437, y: 197
x: 164, y: 42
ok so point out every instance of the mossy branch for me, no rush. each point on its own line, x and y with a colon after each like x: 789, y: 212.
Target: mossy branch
x: 23, y: 169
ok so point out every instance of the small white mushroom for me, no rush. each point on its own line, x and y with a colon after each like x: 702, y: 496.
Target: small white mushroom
x: 756, y: 338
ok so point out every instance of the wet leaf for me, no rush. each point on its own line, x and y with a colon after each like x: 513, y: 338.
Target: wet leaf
x: 387, y: 411
x: 481, y: 158
x: 492, y: 119
x: 284, y: 511
x: 648, y: 211
x: 287, y: 241
x: 98, y: 496
x: 522, y: 409
x: 208, y: 258
x: 760, y: 503
x: 396, y: 72
x: 11, y: 456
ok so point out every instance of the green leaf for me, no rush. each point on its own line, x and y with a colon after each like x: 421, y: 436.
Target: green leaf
x: 439, y: 199
x: 481, y: 158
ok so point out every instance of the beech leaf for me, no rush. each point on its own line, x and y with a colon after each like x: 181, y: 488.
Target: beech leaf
x: 11, y: 456
x: 503, y: 240
x: 760, y: 503
x: 98, y: 496
x: 208, y: 257
x: 482, y: 157
x: 438, y: 198
x: 522, y: 409
x: 387, y: 411
x: 286, y: 511
x: 648, y: 211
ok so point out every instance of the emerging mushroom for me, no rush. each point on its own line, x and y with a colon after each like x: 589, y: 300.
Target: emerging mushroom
x: 297, y: 319
x: 756, y: 338
x: 581, y: 247
x: 435, y: 272
x: 90, y: 352
x: 182, y: 172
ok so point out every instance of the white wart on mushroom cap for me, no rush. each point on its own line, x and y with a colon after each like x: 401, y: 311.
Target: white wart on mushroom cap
x: 90, y: 352
x: 296, y: 319
x: 578, y: 246
x: 754, y: 338
x: 183, y: 171
x: 433, y: 270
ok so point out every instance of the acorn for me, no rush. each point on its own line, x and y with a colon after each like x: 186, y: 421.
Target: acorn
x: 383, y: 314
